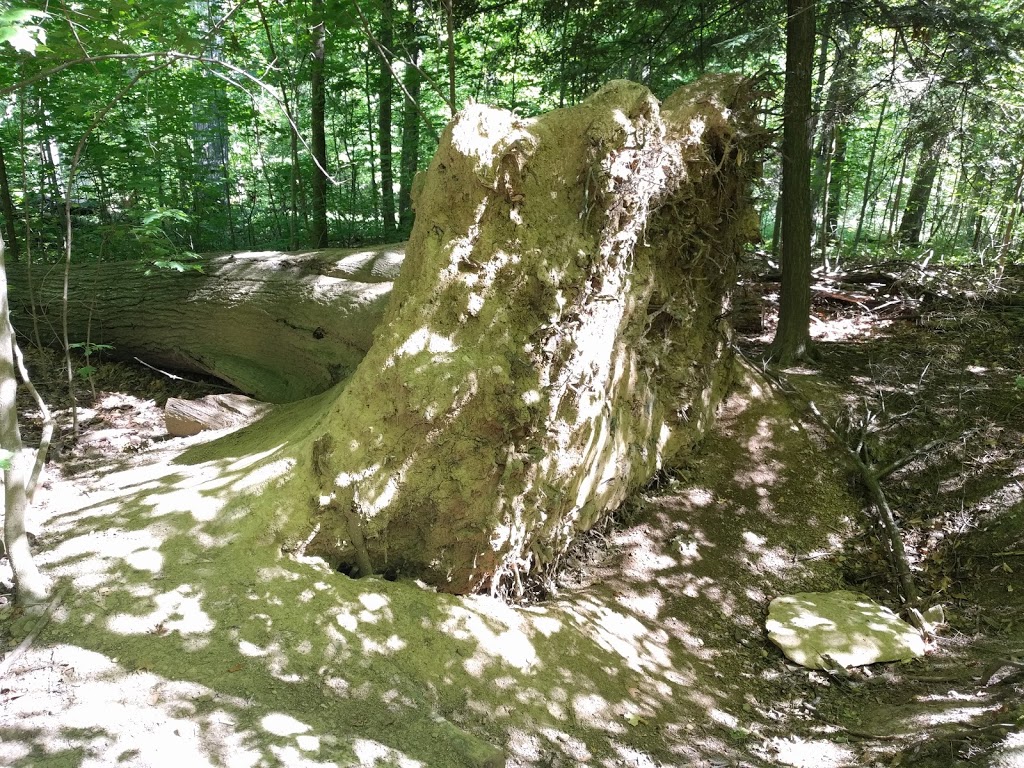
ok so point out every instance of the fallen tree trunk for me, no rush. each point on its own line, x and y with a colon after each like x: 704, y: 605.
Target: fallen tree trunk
x: 558, y: 332
x: 277, y: 326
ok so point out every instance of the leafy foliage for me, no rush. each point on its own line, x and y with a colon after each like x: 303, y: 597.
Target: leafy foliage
x: 206, y: 144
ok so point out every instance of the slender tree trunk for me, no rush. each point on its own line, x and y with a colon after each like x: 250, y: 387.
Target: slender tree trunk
x: 895, y: 197
x: 7, y: 205
x: 834, y: 185
x: 449, y: 16
x: 293, y: 176
x: 264, y: 172
x: 32, y: 588
x: 374, y: 196
x: 780, y: 212
x: 318, y: 233
x: 870, y: 170
x: 793, y: 338
x: 1011, y: 219
x: 384, y: 117
x: 410, y: 124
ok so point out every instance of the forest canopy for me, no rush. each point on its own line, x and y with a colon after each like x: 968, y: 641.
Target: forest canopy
x: 175, y: 128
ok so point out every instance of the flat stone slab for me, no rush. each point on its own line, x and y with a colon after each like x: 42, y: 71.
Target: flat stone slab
x: 821, y: 630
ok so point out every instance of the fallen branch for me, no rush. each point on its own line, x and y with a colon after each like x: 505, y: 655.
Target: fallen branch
x: 887, y: 470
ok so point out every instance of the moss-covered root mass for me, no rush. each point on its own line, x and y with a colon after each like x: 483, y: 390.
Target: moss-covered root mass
x: 557, y: 333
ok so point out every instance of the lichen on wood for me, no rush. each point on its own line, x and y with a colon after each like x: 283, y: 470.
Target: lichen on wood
x: 559, y: 331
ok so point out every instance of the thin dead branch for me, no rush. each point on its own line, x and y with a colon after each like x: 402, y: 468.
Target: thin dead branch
x: 894, y: 539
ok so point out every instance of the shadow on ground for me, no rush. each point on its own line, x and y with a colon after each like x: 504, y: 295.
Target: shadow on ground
x: 184, y: 637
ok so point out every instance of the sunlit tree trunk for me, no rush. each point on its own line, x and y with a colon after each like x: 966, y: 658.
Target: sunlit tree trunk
x: 31, y: 586
x: 793, y: 338
x: 369, y: 139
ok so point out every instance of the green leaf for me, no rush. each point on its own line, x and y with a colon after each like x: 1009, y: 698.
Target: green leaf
x: 5, y: 458
x: 16, y: 29
x: 86, y: 371
x: 161, y: 214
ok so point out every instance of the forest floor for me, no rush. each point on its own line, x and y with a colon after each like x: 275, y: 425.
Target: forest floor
x: 178, y: 637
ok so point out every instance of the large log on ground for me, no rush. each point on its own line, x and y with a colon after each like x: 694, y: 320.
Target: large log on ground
x: 558, y: 332
x: 278, y: 326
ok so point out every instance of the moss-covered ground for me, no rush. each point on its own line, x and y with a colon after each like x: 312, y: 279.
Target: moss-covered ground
x: 182, y: 635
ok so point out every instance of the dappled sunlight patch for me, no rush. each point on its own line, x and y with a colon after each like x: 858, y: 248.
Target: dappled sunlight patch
x: 438, y: 347
x: 243, y: 463
x: 184, y: 723
x: 500, y: 635
x: 281, y: 724
x: 388, y: 647
x: 640, y: 648
x: 801, y: 752
x: 647, y: 604
x: 203, y: 508
x: 373, y: 753
x: 567, y: 744
x: 595, y: 711
x: 179, y: 611
x: 642, y: 555
x: 90, y: 560
x: 258, y: 479
x: 764, y: 557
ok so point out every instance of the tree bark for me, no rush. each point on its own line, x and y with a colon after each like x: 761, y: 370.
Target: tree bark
x: 386, y: 95
x: 7, y: 206
x: 30, y: 585
x: 318, y: 235
x: 412, y: 81
x: 558, y: 333
x: 912, y: 222
x: 793, y: 336
x: 278, y: 327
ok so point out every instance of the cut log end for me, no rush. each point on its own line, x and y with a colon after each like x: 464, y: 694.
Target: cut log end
x: 184, y: 418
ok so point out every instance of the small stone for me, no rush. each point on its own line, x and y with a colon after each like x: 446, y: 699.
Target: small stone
x: 822, y: 629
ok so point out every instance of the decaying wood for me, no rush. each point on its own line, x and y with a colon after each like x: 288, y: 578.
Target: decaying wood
x: 190, y: 417
x: 558, y: 333
x: 278, y: 326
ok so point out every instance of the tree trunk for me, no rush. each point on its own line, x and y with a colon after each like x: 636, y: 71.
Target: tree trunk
x: 1011, y: 219
x: 274, y: 326
x: 32, y: 588
x: 865, y: 198
x: 412, y: 81
x: 449, y: 19
x: 793, y: 336
x: 557, y: 334
x: 912, y: 222
x: 386, y: 95
x: 7, y: 206
x: 318, y: 235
